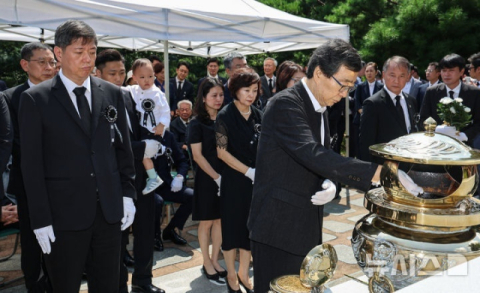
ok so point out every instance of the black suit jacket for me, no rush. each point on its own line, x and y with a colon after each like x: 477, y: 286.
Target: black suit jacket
x: 380, y: 122
x: 163, y: 165
x: 12, y: 96
x: 6, y: 137
x: 187, y: 93
x: 362, y: 92
x: 471, y: 98
x: 266, y: 93
x: 65, y: 169
x: 178, y: 129
x: 291, y: 166
x: 138, y: 146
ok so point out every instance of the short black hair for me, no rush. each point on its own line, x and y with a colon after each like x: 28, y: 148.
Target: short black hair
x: 434, y: 64
x: 27, y: 49
x: 330, y: 56
x: 474, y: 60
x: 213, y: 59
x: 452, y: 61
x: 72, y: 30
x: 154, y: 57
x: 108, y: 55
x: 183, y: 63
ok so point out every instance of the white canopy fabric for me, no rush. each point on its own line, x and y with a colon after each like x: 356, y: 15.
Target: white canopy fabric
x: 192, y: 27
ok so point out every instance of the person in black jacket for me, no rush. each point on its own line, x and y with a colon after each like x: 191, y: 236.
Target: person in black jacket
x: 172, y: 189
x: 7, y: 214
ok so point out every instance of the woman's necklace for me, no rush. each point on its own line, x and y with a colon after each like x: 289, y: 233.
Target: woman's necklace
x: 246, y: 113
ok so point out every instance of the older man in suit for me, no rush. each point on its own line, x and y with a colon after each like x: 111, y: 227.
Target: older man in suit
x: 233, y: 61
x: 294, y: 162
x: 38, y: 61
x: 180, y: 87
x: 390, y: 113
x: 77, y: 166
x: 268, y: 80
x: 452, y: 67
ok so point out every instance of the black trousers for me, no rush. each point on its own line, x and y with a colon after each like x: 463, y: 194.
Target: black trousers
x: 184, y: 197
x: 95, y: 250
x: 270, y: 262
x: 143, y: 235
x: 31, y: 257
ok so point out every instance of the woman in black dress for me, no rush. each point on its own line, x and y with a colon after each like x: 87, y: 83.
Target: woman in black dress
x: 206, y: 203
x: 238, y: 130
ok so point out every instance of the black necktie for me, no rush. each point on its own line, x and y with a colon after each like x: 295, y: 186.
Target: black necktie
x: 83, y: 108
x: 399, y: 108
x: 179, y: 89
x: 451, y: 94
x: 270, y: 84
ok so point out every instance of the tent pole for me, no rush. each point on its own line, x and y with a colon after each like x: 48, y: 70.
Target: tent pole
x: 167, y: 71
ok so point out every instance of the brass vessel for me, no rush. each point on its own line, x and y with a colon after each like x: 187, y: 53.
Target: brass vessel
x: 317, y: 268
x: 406, y: 238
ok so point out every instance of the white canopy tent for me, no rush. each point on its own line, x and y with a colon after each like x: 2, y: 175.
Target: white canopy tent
x: 187, y: 27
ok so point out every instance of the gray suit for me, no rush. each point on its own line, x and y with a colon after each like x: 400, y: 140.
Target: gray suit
x: 291, y: 166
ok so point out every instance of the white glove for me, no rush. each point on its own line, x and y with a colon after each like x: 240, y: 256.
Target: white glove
x: 408, y: 183
x: 151, y: 148
x: 128, y: 212
x: 218, y: 181
x: 177, y: 183
x: 250, y: 174
x: 326, y: 195
x: 44, y: 237
x: 450, y: 131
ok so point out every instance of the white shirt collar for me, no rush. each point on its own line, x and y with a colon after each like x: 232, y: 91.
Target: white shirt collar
x: 392, y: 95
x: 178, y: 80
x: 30, y: 83
x: 456, y: 90
x: 371, y: 83
x: 70, y: 85
x: 208, y: 74
x: 432, y: 84
x: 316, y: 104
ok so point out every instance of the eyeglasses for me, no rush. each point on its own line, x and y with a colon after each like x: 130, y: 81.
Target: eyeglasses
x: 344, y: 88
x: 43, y: 62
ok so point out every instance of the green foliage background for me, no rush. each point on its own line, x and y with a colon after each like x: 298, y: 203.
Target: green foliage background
x: 420, y: 30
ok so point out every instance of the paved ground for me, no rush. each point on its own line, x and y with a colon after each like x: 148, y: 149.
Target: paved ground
x: 177, y: 269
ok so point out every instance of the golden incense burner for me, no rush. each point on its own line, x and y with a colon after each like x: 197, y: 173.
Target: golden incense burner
x: 406, y: 238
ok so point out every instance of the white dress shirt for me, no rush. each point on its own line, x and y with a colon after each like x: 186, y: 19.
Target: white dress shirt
x: 70, y: 86
x: 318, y: 108
x: 456, y: 90
x: 403, y: 102
x: 371, y: 86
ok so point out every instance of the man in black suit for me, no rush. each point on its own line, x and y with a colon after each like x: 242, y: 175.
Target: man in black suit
x: 294, y: 162
x: 390, y: 113
x: 3, y: 86
x: 474, y: 68
x: 451, y: 69
x: 412, y: 84
x: 172, y: 189
x: 110, y: 66
x: 38, y: 61
x: 268, y: 80
x: 232, y: 62
x: 213, y: 64
x: 180, y: 87
x: 8, y: 214
x: 433, y: 74
x: 77, y: 166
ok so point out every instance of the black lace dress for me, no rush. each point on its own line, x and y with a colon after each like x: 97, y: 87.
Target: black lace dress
x: 240, y: 138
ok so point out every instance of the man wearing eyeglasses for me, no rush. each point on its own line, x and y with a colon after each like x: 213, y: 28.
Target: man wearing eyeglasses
x: 296, y: 167
x: 432, y: 74
x: 39, y: 63
x: 474, y: 69
x: 389, y: 113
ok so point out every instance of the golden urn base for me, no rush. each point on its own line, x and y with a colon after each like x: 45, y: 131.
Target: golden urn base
x: 406, y: 255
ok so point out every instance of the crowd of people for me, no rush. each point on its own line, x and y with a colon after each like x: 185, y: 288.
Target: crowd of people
x: 96, y: 148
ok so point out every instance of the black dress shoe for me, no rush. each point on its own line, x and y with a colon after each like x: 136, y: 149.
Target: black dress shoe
x: 243, y: 285
x: 170, y: 234
x: 215, y: 278
x: 128, y: 260
x: 222, y: 274
x: 158, y: 244
x: 146, y: 289
x: 230, y: 290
